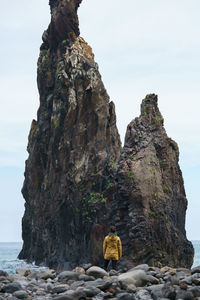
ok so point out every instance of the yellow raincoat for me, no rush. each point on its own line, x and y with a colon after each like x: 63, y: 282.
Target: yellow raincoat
x: 112, y: 247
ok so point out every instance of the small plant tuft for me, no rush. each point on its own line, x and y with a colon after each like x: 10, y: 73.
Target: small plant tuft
x: 131, y: 174
x: 158, y: 118
x: 165, y: 189
x: 152, y: 213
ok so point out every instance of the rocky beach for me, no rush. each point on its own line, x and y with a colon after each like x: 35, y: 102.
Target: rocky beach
x: 92, y: 282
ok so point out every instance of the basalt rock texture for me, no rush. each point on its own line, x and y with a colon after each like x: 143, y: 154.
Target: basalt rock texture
x: 74, y: 147
x: 151, y: 204
x: 77, y: 181
x: 64, y: 23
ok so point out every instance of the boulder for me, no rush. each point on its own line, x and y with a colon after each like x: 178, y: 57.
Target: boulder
x: 195, y: 275
x: 195, y: 291
x: 67, y: 275
x: 143, y: 267
x: 99, y: 283
x: 143, y: 295
x: 125, y: 296
x: 20, y: 294
x: 185, y: 295
x: 4, y: 279
x: 196, y: 281
x: 187, y: 272
x: 156, y: 294
x: 152, y: 279
x: 86, y: 277
x: 61, y: 288
x: 77, y: 284
x: 72, y: 295
x: 136, y: 277
x: 45, y: 274
x: 3, y: 273
x: 168, y: 291
x: 91, y: 291
x: 187, y: 280
x: 195, y: 270
x: 155, y: 291
x: 131, y: 288
x: 11, y: 287
x: 97, y: 272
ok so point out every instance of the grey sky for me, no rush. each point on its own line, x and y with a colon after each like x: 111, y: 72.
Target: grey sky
x: 141, y: 47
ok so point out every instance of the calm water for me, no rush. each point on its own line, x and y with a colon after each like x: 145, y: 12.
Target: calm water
x: 10, y: 251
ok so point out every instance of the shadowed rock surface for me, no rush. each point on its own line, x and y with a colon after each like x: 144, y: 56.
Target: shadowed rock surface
x: 151, y: 204
x: 76, y: 184
x: 64, y: 23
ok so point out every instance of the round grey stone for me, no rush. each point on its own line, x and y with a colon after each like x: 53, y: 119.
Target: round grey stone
x: 60, y: 289
x: 97, y: 272
x: 3, y: 273
x: 12, y: 287
x: 20, y: 294
x: 125, y: 296
x: 91, y: 291
x: 67, y: 275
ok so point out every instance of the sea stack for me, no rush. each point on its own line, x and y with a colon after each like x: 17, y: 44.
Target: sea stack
x: 78, y: 180
x: 151, y: 204
x: 74, y: 148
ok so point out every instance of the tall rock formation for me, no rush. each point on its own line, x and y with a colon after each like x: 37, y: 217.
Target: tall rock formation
x: 74, y: 147
x: 76, y: 184
x: 151, y: 204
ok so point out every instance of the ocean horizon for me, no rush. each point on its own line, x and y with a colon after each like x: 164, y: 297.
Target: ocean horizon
x: 9, y: 252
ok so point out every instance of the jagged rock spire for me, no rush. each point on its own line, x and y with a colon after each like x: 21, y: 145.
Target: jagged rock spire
x: 150, y: 202
x: 74, y: 148
x: 64, y: 24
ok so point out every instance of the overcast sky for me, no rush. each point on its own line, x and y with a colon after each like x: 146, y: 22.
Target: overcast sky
x: 146, y: 46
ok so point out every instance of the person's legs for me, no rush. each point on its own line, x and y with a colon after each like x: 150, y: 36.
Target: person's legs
x: 114, y: 264
x: 106, y: 262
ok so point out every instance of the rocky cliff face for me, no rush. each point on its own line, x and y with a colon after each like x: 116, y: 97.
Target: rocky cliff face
x: 74, y: 147
x: 76, y: 184
x: 151, y: 204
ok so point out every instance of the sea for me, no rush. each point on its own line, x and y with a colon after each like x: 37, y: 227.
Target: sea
x: 10, y: 251
x: 9, y: 261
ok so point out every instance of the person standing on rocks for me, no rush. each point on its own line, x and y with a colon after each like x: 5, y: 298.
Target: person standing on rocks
x: 112, y: 248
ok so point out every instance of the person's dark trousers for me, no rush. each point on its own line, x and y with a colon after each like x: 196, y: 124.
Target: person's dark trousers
x: 106, y: 262
x: 114, y: 264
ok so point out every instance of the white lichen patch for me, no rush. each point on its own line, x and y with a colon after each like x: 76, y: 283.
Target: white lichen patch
x: 72, y: 98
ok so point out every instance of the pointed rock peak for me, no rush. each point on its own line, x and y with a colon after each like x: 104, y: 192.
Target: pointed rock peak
x: 64, y: 26
x: 150, y: 113
x: 71, y: 4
